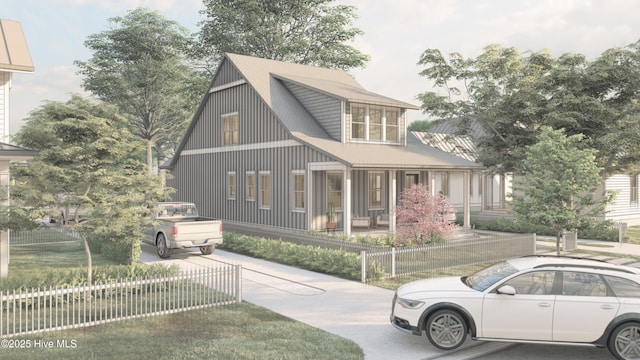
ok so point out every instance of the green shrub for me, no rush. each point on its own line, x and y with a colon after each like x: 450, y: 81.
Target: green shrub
x: 327, y: 261
x: 589, y: 229
x: 78, y: 276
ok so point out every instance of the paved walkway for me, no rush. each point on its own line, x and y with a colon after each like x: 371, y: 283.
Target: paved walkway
x: 349, y: 309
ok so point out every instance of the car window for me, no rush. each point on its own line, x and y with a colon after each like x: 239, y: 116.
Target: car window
x: 583, y: 284
x: 486, y: 277
x: 533, y: 283
x: 624, y: 287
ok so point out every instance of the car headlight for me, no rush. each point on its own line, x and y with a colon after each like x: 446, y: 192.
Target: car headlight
x: 409, y: 303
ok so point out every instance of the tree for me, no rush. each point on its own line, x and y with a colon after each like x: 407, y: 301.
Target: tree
x: 87, y: 160
x: 422, y: 218
x: 140, y: 66
x: 513, y: 95
x: 310, y: 32
x: 420, y: 125
x: 558, y: 188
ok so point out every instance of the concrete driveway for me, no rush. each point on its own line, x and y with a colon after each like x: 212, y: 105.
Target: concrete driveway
x: 349, y: 309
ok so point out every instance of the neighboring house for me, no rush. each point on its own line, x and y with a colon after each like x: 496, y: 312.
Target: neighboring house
x: 494, y: 189
x: 276, y: 144
x: 487, y: 192
x: 14, y: 57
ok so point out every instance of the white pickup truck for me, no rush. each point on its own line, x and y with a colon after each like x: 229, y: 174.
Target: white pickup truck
x: 177, y: 225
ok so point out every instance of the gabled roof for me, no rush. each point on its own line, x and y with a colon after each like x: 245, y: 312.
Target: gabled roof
x: 267, y: 78
x: 14, y: 53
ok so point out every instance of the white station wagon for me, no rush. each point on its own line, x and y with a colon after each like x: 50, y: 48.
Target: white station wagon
x: 533, y: 299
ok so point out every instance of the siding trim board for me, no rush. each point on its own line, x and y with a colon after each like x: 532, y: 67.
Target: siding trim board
x: 227, y: 86
x: 243, y: 147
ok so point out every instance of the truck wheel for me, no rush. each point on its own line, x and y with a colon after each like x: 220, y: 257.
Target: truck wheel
x: 161, y: 245
x: 207, y: 250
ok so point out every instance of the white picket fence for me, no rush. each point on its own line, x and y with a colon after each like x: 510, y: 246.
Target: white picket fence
x: 66, y: 307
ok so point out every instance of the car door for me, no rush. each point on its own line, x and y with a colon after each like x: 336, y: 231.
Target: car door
x: 525, y: 315
x: 584, y: 309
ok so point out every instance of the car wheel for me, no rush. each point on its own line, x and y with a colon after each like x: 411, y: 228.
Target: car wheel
x: 624, y: 342
x: 164, y: 251
x: 207, y: 250
x: 446, y: 329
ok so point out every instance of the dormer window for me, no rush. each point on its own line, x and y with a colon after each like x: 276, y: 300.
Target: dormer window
x: 376, y: 124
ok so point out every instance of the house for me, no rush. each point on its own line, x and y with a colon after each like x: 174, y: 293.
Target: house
x: 282, y: 146
x: 490, y: 195
x: 488, y: 192
x: 14, y: 57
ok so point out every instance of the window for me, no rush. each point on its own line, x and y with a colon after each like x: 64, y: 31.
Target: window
x: 624, y: 287
x: 375, y: 124
x: 230, y: 129
x: 634, y: 188
x: 533, y: 283
x: 334, y: 190
x: 231, y: 185
x: 376, y: 190
x: 251, y: 186
x: 265, y: 190
x: 358, y: 122
x: 583, y: 284
x: 298, y: 190
x: 391, y: 121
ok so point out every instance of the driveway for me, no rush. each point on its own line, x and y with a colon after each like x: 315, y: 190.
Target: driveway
x: 349, y: 309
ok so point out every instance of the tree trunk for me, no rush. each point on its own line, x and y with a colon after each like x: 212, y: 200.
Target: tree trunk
x: 558, y: 238
x: 88, y: 252
x: 150, y: 157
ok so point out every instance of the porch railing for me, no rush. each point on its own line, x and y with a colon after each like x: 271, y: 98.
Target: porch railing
x: 64, y: 307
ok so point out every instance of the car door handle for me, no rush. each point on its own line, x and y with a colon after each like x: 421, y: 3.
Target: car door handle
x: 544, y: 304
x: 607, y: 307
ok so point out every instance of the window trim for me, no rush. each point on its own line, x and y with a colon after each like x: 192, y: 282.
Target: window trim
x: 295, y: 191
x: 384, y: 125
x: 248, y: 196
x: 261, y: 204
x: 232, y: 131
x: 336, y: 207
x: 381, y: 190
x: 232, y: 185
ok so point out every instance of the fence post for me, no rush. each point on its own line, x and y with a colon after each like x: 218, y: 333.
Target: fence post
x: 393, y: 262
x: 535, y: 243
x: 239, y: 283
x: 363, y: 257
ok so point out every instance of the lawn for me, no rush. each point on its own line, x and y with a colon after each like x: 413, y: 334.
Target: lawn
x: 238, y: 331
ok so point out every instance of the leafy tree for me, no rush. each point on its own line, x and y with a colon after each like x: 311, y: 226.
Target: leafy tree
x: 422, y: 218
x: 420, y: 125
x: 140, y: 65
x: 514, y: 94
x: 558, y: 188
x: 87, y: 162
x: 308, y: 32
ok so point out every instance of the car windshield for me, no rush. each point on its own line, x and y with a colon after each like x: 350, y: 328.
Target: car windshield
x: 486, y: 277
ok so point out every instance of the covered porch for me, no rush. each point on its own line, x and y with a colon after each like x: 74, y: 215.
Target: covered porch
x: 362, y: 199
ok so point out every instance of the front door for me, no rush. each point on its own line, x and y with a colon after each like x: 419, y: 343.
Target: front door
x: 410, y: 180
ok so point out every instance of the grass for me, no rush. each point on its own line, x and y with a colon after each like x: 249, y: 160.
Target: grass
x: 238, y: 331
x: 632, y: 236
x: 241, y: 331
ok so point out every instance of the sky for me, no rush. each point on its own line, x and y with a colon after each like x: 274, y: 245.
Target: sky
x: 396, y: 33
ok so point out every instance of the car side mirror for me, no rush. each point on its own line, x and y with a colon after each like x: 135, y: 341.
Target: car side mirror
x: 507, y: 290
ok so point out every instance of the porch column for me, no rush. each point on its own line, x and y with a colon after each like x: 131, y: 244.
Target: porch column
x: 346, y: 201
x: 392, y: 201
x: 466, y: 203
x: 432, y: 183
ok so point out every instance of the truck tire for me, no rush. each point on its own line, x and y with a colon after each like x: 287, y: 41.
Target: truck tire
x: 207, y: 250
x: 164, y: 251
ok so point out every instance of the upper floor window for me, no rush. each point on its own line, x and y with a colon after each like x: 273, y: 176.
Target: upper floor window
x: 375, y: 123
x: 230, y: 129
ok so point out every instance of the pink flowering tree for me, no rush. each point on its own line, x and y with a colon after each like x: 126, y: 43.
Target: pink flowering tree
x: 421, y: 217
